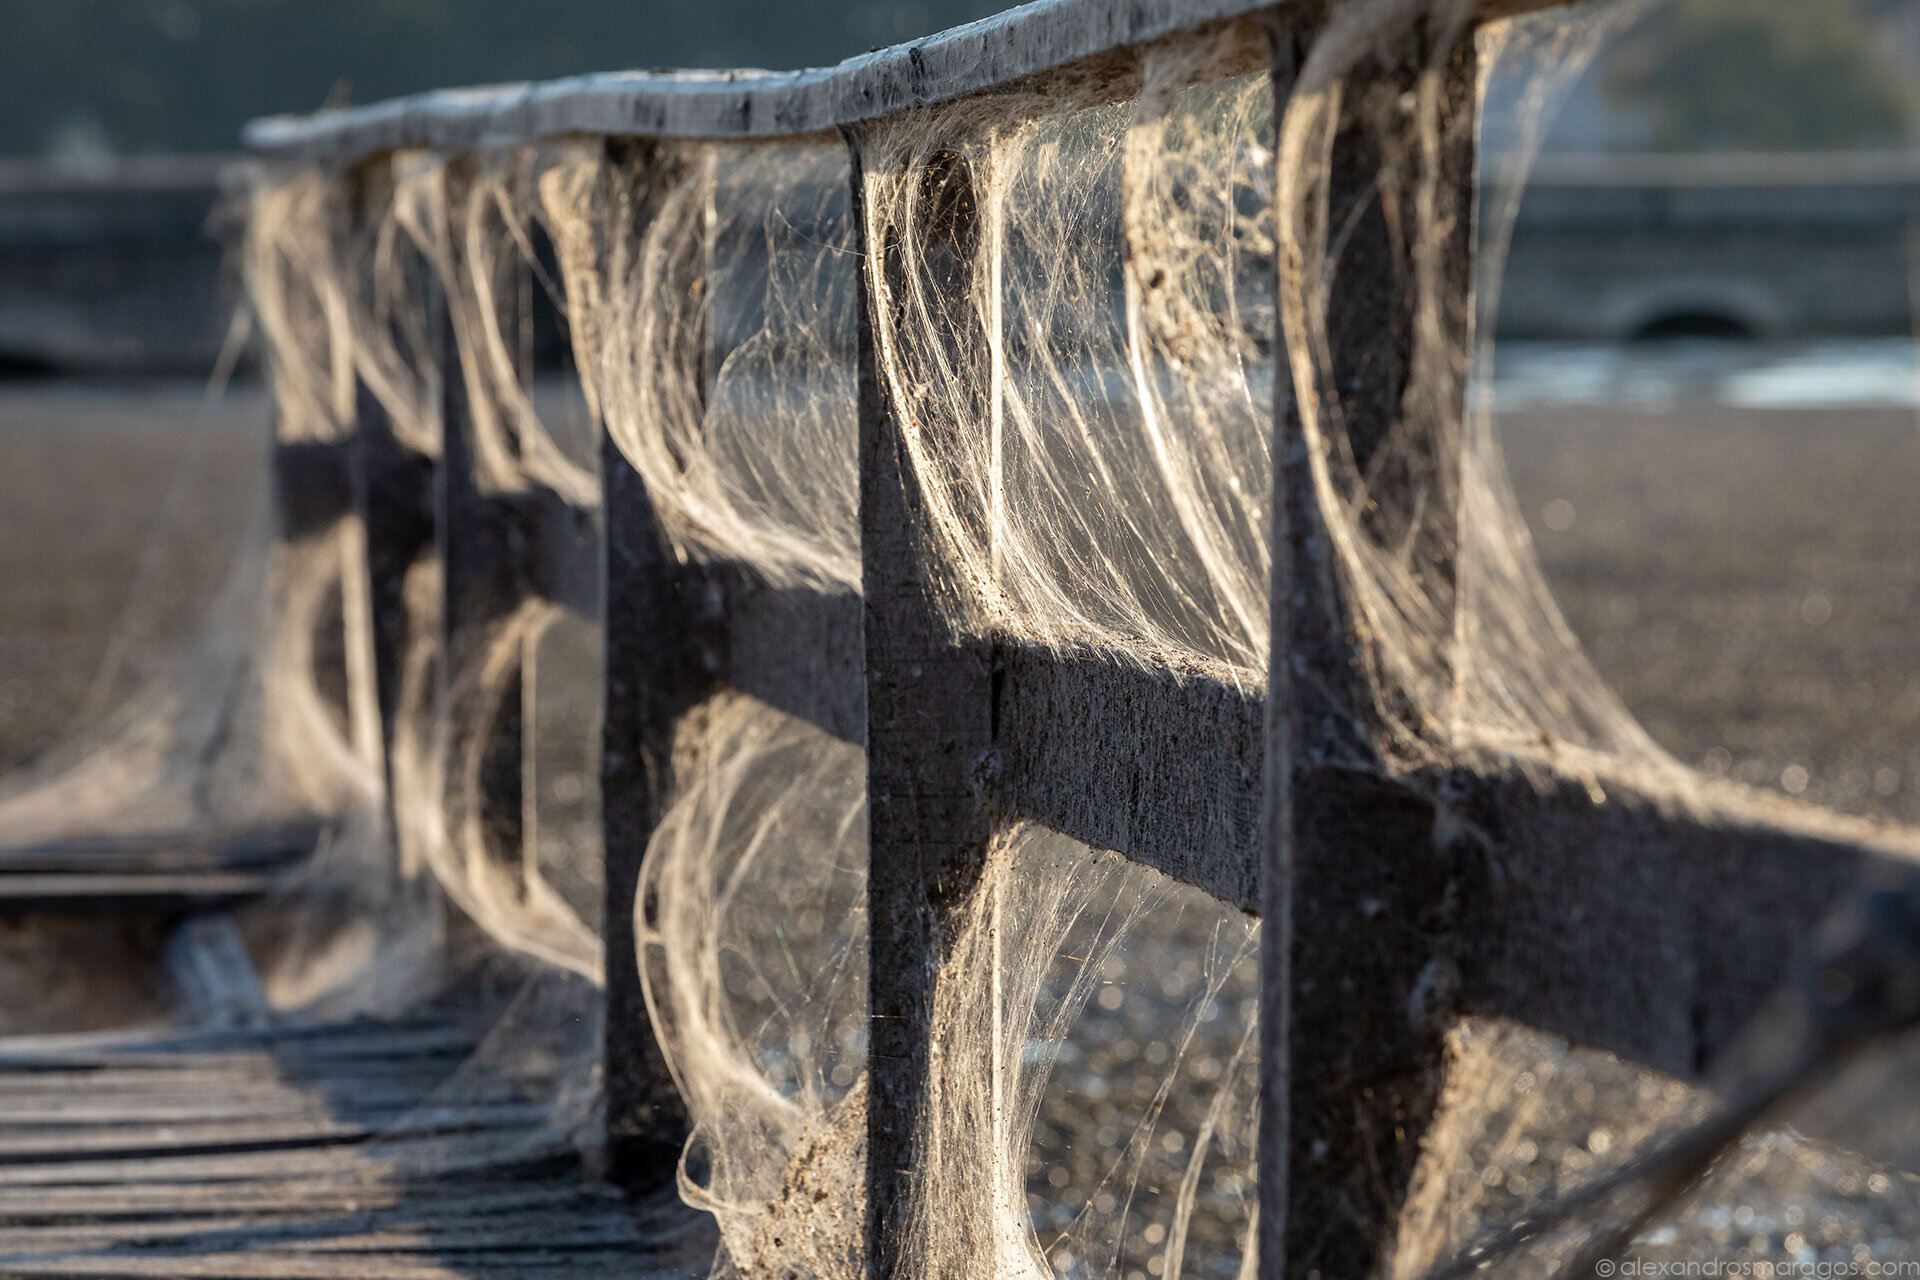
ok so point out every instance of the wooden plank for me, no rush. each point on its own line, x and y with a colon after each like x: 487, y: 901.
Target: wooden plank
x: 1178, y: 791
x: 1355, y: 1006
x: 162, y: 894
x: 483, y: 587
x: 152, y: 1089
x: 75, y: 1105
x: 188, y: 1135
x: 967, y: 60
x: 214, y: 1051
x: 1159, y: 764
x: 797, y: 649
x: 165, y: 873
x: 180, y: 1039
x: 662, y: 651
x: 1637, y: 919
x: 1181, y: 798
x: 561, y: 1229
x: 929, y: 712
x: 498, y: 1152
x: 27, y: 1208
x: 421, y: 1264
x: 167, y: 851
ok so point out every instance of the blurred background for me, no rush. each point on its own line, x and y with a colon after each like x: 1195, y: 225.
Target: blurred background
x: 1736, y: 168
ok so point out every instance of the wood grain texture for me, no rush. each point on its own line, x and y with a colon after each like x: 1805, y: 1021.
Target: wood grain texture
x: 1357, y: 1002
x: 282, y: 1159
x: 484, y: 584
x: 797, y: 649
x: 160, y: 874
x: 929, y: 725
x: 1171, y: 779
x: 663, y: 648
x: 252, y: 849
x: 1639, y: 919
x: 1161, y: 765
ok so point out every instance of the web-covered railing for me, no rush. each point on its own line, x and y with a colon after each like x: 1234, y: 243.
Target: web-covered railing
x: 1056, y: 428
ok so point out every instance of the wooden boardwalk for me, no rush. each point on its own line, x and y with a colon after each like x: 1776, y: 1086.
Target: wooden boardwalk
x: 314, y: 1150
x: 163, y: 874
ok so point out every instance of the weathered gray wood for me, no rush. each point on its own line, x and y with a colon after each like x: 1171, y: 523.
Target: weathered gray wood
x: 1178, y: 793
x: 485, y: 586
x: 187, y: 1134
x: 161, y: 874
x: 457, y: 1238
x: 929, y: 732
x: 412, y: 1265
x: 1652, y: 925
x: 72, y: 1103
x: 971, y: 59
x: 262, y: 848
x: 663, y: 647
x: 1161, y: 765
x: 312, y: 487
x: 502, y: 1150
x: 170, y: 1045
x: 265, y: 1202
x: 315, y: 1195
x: 1177, y: 790
x: 1274, y: 1136
x: 394, y: 496
x: 159, y: 893
x: 1358, y: 981
x: 795, y: 649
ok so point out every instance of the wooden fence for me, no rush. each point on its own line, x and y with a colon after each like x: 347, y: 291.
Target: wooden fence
x: 1582, y: 906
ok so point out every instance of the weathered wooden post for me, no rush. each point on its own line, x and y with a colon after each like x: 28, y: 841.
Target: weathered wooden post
x: 929, y: 704
x: 1360, y: 894
x: 660, y: 658
x: 483, y: 583
x: 393, y: 492
x: 313, y: 493
x: 314, y: 498
x: 505, y: 542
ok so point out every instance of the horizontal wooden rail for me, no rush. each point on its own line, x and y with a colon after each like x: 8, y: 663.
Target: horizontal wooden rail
x: 799, y: 649
x: 312, y: 485
x: 159, y: 873
x: 1648, y: 924
x: 976, y: 58
x: 1160, y: 765
x: 1641, y: 922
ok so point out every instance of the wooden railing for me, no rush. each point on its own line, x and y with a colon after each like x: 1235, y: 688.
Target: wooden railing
x: 1585, y: 906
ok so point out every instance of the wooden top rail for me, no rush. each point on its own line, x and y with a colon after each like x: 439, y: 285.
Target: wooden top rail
x: 992, y: 53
